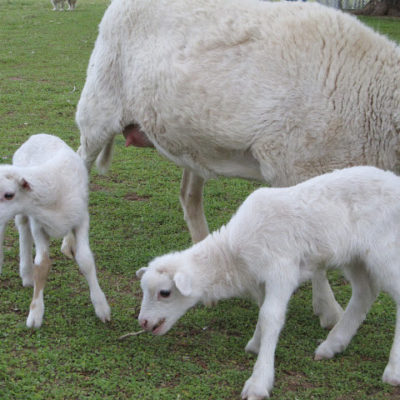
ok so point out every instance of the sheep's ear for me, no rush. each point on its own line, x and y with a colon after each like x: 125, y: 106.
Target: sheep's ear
x: 140, y: 272
x: 24, y: 184
x: 183, y: 283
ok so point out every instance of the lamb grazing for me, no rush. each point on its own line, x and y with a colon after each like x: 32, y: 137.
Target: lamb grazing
x: 46, y: 189
x: 278, y: 238
x: 277, y: 92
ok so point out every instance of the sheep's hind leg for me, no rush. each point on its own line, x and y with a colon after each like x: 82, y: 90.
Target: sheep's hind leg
x: 364, y: 294
x: 25, y: 250
x: 325, y: 305
x: 391, y: 375
x: 191, y: 198
x: 253, y: 346
x: 85, y: 260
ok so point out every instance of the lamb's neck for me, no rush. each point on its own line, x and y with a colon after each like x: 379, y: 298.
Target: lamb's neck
x: 218, y: 273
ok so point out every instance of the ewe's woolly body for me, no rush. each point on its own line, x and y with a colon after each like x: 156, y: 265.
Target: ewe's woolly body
x: 271, y: 91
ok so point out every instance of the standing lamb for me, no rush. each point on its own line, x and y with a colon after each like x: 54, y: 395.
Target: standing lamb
x: 277, y: 239
x: 277, y: 92
x: 46, y: 189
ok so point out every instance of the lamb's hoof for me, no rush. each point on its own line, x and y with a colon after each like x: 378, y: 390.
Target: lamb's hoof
x: 323, y: 352
x: 34, y: 320
x: 104, y: 314
x: 328, y: 320
x: 68, y: 247
x: 27, y: 281
x: 391, y: 376
x: 102, y: 309
x: 253, y: 391
x: 252, y: 348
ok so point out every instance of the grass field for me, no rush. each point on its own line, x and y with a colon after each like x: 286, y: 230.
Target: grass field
x: 135, y: 215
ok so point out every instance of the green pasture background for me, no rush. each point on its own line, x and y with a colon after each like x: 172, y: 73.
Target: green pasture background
x: 135, y: 215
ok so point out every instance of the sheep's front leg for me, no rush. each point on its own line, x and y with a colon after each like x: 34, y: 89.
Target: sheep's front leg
x: 41, y: 270
x: 191, y: 198
x: 324, y: 302
x: 25, y: 250
x: 270, y: 322
x: 364, y: 294
x: 85, y: 260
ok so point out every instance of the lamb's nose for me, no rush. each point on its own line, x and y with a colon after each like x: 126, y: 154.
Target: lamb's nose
x: 143, y: 323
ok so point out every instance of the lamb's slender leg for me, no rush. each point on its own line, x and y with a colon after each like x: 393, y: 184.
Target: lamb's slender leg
x: 25, y: 250
x: 391, y: 374
x: 364, y: 294
x: 68, y: 246
x: 41, y: 270
x: 2, y: 234
x: 253, y: 345
x: 191, y: 198
x: 85, y: 260
x: 270, y: 322
x: 324, y: 303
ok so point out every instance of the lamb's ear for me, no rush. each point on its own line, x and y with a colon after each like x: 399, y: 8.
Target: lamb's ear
x: 24, y: 184
x: 183, y: 282
x: 140, y: 272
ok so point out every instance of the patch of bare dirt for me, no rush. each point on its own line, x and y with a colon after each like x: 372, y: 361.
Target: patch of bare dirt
x: 135, y: 197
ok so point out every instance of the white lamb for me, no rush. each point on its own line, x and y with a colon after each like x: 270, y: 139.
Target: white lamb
x: 277, y: 92
x: 46, y: 188
x: 277, y: 239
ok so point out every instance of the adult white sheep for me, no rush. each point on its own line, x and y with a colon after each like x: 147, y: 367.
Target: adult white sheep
x: 46, y: 188
x: 349, y: 218
x: 277, y: 92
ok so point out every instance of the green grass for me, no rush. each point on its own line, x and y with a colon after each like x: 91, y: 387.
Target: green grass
x: 135, y: 215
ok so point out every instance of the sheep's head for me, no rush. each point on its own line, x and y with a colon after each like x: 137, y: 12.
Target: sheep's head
x: 168, y: 292
x: 12, y: 186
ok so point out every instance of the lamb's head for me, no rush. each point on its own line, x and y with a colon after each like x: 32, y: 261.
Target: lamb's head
x: 13, y: 188
x: 168, y: 292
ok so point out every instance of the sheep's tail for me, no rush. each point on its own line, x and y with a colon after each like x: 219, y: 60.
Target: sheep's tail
x: 103, y: 160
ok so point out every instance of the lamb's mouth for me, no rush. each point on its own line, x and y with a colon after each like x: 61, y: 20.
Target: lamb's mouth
x: 157, y: 328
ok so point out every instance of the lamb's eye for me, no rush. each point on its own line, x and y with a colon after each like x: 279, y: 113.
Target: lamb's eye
x: 8, y: 196
x: 165, y: 293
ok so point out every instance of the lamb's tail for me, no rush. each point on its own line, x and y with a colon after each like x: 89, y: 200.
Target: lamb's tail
x: 103, y: 160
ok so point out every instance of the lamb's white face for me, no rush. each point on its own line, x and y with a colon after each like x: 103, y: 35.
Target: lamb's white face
x: 11, y: 187
x: 166, y: 297
x: 8, y: 188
